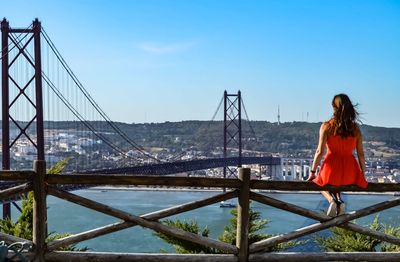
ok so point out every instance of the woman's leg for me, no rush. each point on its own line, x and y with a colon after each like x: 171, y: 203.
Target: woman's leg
x: 333, y: 205
x: 328, y: 196
x: 341, y: 205
x: 337, y: 196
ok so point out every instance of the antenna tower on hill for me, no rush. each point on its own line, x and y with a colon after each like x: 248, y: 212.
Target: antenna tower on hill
x: 279, y: 116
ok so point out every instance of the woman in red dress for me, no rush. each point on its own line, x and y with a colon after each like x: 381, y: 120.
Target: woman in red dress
x: 339, y: 137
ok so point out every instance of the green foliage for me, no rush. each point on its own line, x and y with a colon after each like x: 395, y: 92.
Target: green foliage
x: 182, y: 246
x: 343, y: 240
x: 18, y: 229
x: 394, y: 231
x: 23, y: 227
x: 58, y: 167
x: 256, y: 224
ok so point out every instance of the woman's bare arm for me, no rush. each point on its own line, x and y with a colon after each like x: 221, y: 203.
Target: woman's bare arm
x: 360, y: 151
x: 319, y: 153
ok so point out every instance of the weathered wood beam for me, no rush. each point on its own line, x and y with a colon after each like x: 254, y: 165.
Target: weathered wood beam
x: 191, y: 205
x: 9, y: 239
x: 143, y: 180
x: 263, y: 244
x: 12, y: 256
x: 287, y: 206
x: 66, y: 256
x: 17, y: 190
x: 8, y: 175
x: 322, y: 217
x: 76, y: 238
x: 150, y: 216
x: 307, y: 186
x: 158, y: 227
x: 327, y: 256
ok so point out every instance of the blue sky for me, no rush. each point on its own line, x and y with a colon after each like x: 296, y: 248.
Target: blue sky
x: 156, y: 61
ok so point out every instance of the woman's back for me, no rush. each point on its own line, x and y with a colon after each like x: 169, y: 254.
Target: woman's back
x: 338, y: 145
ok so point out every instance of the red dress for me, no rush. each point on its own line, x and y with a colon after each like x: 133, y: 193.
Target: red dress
x: 340, y: 166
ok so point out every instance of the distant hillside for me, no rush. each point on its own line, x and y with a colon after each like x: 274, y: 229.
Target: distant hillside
x: 293, y: 138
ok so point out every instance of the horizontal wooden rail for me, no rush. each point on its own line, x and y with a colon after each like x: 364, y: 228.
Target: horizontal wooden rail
x: 8, y: 175
x: 89, y: 234
x: 27, y: 255
x: 11, y: 239
x: 13, y: 191
x: 63, y: 256
x: 107, y: 179
x: 309, y: 186
x: 142, y: 180
x: 150, y: 216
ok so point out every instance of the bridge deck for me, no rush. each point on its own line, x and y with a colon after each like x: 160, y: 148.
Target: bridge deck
x: 187, y: 166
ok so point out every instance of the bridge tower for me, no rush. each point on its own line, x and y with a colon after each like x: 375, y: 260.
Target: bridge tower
x: 232, y: 130
x: 22, y: 87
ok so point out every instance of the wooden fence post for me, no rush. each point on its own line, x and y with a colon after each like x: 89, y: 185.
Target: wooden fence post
x: 39, y: 210
x: 242, y: 233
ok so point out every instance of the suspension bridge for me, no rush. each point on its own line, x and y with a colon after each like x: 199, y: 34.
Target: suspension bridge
x: 48, y: 114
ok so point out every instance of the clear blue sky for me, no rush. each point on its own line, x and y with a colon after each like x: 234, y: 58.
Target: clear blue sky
x: 156, y: 61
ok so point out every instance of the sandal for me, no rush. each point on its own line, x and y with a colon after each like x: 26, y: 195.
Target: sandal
x: 332, y: 209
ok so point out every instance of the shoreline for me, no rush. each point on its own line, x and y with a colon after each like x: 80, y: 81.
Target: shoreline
x: 186, y: 189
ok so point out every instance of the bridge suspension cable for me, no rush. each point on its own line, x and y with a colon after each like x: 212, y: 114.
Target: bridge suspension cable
x: 248, y: 120
x: 205, y: 125
x: 93, y: 102
x: 74, y: 111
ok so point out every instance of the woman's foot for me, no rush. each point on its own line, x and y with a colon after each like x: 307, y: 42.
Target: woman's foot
x: 332, y: 209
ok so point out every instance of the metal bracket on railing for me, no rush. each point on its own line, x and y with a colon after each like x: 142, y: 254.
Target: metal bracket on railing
x: 17, y: 248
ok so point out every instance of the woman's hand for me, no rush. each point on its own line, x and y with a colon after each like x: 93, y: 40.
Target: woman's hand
x: 310, y: 177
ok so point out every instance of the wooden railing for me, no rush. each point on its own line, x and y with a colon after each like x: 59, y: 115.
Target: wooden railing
x: 242, y: 188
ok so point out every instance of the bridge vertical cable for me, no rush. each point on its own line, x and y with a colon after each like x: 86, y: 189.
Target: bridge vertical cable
x: 253, y: 133
x: 84, y: 108
x: 202, y: 130
x: 88, y: 101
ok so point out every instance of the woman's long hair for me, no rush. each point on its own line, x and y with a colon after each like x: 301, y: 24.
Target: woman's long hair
x: 345, y: 116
